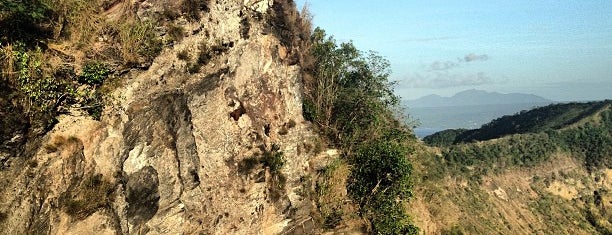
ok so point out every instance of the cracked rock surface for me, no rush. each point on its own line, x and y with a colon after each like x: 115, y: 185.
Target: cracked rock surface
x: 167, y: 155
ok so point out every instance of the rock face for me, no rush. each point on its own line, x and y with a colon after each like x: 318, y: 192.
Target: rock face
x: 178, y: 151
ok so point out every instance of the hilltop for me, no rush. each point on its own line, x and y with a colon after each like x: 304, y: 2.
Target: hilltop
x: 541, y: 119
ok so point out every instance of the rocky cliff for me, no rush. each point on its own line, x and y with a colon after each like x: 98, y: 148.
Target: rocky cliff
x: 216, y: 149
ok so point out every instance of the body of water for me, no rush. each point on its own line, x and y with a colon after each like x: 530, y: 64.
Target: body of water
x: 434, y: 119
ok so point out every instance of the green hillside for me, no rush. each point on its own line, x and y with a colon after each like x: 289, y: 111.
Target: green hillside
x: 546, y: 170
x: 547, y: 118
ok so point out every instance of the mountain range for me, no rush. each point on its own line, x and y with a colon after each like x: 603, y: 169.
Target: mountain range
x: 474, y: 97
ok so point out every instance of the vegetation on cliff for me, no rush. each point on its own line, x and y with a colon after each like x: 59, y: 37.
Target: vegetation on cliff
x: 349, y: 96
x: 59, y: 56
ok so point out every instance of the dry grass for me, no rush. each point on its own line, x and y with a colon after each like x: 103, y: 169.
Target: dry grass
x: 293, y: 29
x: 93, y: 193
x: 334, y: 205
x: 7, y: 63
x: 61, y: 143
x: 138, y: 41
x: 78, y: 21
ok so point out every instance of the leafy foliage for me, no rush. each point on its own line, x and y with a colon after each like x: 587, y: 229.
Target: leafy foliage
x: 274, y: 159
x: 41, y: 90
x: 33, y: 10
x: 350, y: 98
x: 382, y: 168
x: 94, y: 73
x: 380, y: 180
x: 44, y: 91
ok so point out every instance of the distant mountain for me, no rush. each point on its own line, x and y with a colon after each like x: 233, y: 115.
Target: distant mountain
x: 474, y: 97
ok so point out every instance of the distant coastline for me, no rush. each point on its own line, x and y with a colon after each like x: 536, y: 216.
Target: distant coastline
x: 421, y: 132
x: 434, y: 119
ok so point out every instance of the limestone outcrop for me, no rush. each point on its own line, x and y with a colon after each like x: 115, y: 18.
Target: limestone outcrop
x: 220, y: 149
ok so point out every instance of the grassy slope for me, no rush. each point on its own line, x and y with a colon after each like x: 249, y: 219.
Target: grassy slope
x: 556, y: 193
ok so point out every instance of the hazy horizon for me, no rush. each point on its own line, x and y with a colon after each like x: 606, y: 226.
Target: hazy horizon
x: 491, y: 91
x: 558, y: 50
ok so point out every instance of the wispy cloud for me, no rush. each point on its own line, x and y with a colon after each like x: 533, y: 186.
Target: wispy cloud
x: 448, y: 65
x: 441, y: 74
x: 445, y: 80
x: 473, y: 57
x: 442, y: 65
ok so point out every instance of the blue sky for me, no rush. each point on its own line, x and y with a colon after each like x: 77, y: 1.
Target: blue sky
x: 558, y: 49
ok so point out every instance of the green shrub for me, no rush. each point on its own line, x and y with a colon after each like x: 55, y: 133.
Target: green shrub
x: 380, y: 183
x: 443, y: 138
x: 94, y: 104
x: 94, y: 73
x: 42, y: 91
x: 308, y: 110
x: 348, y: 95
x: 21, y: 20
x: 274, y: 159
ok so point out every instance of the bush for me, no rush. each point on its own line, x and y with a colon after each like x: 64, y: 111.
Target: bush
x: 380, y: 183
x: 443, y: 138
x: 42, y: 91
x: 94, y: 73
x: 308, y: 110
x: 274, y: 159
x: 176, y: 32
x: 183, y: 55
x: 349, y: 96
